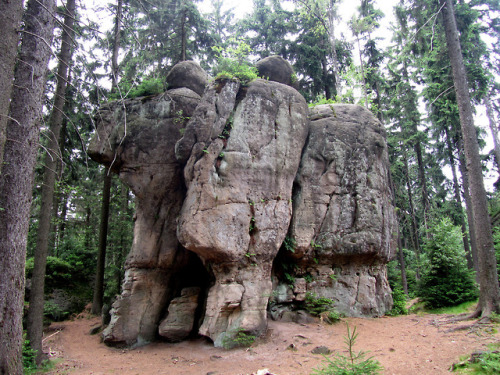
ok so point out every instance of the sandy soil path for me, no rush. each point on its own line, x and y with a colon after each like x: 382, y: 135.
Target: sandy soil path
x: 413, y: 345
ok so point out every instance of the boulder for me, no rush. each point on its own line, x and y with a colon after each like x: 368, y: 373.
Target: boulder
x: 180, y: 320
x: 188, y: 74
x: 276, y: 68
x: 344, y: 222
x: 242, y: 147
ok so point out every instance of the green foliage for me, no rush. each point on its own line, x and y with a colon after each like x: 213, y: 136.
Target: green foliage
x: 54, y: 312
x: 487, y: 363
x: 290, y: 244
x: 29, y: 356
x: 315, y: 305
x: 233, y: 63
x: 150, y: 86
x: 237, y: 338
x: 59, y: 273
x: 321, y: 100
x: 352, y: 364
x: 446, y: 281
x: 399, y: 303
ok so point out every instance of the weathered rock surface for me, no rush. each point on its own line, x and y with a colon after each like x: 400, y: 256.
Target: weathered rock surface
x: 136, y: 138
x: 188, y: 74
x: 243, y: 146
x: 276, y: 68
x: 259, y: 193
x: 179, y: 323
x: 343, y: 222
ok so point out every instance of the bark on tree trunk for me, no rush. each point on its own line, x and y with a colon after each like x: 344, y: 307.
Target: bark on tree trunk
x: 489, y: 291
x: 11, y: 13
x: 494, y: 130
x: 17, y: 176
x: 458, y: 203
x: 414, y: 224
x: 35, y: 312
x: 103, y: 229
x: 402, y: 265
x: 101, y: 255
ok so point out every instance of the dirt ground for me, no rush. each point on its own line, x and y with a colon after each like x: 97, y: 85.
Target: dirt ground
x: 415, y: 345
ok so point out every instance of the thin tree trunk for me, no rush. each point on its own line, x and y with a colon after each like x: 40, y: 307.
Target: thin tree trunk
x: 35, y: 312
x: 458, y: 202
x: 337, y: 89
x: 101, y: 254
x: 494, y: 130
x: 328, y: 94
x: 414, y: 224
x: 402, y: 264
x: 16, y: 182
x: 11, y: 13
x: 103, y: 229
x: 489, y: 291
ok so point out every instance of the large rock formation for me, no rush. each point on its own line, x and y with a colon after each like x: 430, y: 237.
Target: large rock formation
x: 136, y: 138
x: 215, y: 206
x: 242, y: 162
x: 341, y: 236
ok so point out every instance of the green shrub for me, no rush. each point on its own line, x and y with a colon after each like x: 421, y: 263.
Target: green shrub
x: 233, y: 63
x: 29, y: 356
x: 399, y: 303
x: 315, y: 305
x: 446, y: 281
x: 149, y: 86
x: 352, y: 364
x: 487, y: 363
x: 58, y: 272
x: 237, y: 339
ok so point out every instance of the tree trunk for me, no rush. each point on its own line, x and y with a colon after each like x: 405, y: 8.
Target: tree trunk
x: 402, y: 264
x: 11, y: 13
x: 337, y: 89
x: 494, y: 130
x: 103, y: 229
x: 458, y: 203
x: 17, y: 175
x: 414, y: 224
x: 468, y: 207
x: 489, y: 291
x: 35, y: 312
x: 101, y: 255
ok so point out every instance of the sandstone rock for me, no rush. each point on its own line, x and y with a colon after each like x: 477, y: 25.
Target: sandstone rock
x: 180, y: 320
x: 344, y: 223
x: 242, y: 157
x: 188, y: 74
x: 276, y: 68
x: 134, y: 138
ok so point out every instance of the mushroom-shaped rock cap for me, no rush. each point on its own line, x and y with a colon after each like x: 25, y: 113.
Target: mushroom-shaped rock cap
x: 276, y: 68
x: 188, y: 74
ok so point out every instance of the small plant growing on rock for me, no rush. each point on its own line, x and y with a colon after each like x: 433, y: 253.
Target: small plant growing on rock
x: 237, y: 339
x: 233, y: 63
x: 316, y: 305
x: 351, y: 364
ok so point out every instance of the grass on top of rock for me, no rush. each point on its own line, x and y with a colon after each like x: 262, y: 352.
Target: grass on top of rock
x: 233, y: 63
